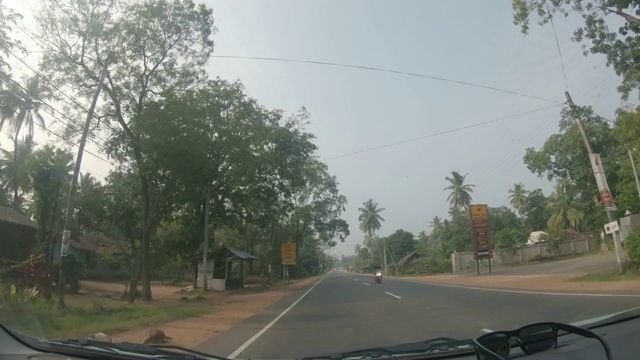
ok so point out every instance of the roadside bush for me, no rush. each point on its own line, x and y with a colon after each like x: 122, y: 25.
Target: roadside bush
x: 632, y: 244
x: 429, y: 265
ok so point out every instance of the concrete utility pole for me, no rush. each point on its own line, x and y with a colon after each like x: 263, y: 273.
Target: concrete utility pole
x: 610, y: 214
x: 66, y: 233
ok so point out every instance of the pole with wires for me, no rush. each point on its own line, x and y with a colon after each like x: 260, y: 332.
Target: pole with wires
x: 610, y: 214
x: 66, y: 233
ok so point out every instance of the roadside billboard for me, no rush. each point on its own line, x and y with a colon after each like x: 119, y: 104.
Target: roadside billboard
x: 480, y: 232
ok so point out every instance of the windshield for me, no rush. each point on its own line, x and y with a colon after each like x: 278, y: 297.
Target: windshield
x: 231, y: 176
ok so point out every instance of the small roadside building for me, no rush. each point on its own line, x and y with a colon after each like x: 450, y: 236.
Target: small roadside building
x: 17, y: 236
x: 226, y: 268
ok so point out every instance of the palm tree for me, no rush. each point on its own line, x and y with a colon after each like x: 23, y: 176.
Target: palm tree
x: 564, y: 214
x: 370, y: 220
x: 22, y: 108
x: 357, y: 249
x: 436, y: 226
x: 518, y: 198
x: 460, y: 196
x: 13, y: 175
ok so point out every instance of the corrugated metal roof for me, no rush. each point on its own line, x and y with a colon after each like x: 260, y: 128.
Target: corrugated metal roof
x: 241, y: 254
x: 9, y: 215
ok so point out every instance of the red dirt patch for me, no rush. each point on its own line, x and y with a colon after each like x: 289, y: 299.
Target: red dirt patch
x: 233, y: 308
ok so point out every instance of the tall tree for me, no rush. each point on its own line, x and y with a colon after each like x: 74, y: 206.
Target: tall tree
x: 563, y: 157
x: 436, y: 226
x: 13, y: 174
x: 161, y: 46
x: 460, y: 196
x: 50, y: 170
x: 370, y: 220
x: 518, y: 198
x: 22, y: 106
x: 536, y: 211
x: 601, y: 30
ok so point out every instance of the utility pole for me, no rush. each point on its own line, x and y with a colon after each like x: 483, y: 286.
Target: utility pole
x: 635, y: 173
x: 610, y: 214
x: 384, y: 247
x: 66, y: 233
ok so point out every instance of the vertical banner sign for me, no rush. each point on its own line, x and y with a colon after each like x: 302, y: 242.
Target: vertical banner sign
x: 601, y: 179
x: 64, y: 247
x: 288, y: 253
x: 480, y: 232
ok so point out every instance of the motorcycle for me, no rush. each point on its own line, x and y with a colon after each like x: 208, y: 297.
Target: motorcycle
x: 378, y: 277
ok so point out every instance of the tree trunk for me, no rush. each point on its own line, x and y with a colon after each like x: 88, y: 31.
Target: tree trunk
x: 145, y: 263
x: 205, y: 244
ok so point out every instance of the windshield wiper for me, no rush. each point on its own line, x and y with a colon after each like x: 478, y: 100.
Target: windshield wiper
x: 432, y: 346
x: 132, y: 349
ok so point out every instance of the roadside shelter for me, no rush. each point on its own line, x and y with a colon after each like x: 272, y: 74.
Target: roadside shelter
x: 226, y: 268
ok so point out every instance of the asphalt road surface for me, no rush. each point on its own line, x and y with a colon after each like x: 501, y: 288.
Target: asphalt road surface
x: 345, y: 312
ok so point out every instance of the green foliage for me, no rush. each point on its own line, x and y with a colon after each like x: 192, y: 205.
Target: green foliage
x: 8, y: 19
x: 618, y: 44
x: 400, y: 244
x: 460, y: 196
x: 429, y: 265
x: 632, y: 245
x: 536, y: 211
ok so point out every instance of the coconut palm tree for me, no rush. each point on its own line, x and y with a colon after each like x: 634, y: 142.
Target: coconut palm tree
x: 436, y: 226
x: 564, y: 213
x: 22, y: 106
x: 460, y: 196
x: 13, y: 176
x: 370, y: 221
x: 518, y: 198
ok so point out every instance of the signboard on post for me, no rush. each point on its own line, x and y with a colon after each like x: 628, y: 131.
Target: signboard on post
x: 288, y: 253
x: 481, y: 233
x: 605, y: 194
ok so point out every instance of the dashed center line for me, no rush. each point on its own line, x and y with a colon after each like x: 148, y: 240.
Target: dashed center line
x: 395, y: 296
x: 367, y: 284
x: 486, y: 330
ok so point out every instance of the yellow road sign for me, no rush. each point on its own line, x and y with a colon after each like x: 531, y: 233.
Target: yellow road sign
x: 479, y: 212
x: 288, y: 251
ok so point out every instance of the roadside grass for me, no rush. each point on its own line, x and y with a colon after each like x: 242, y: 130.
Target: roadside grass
x: 82, y: 318
x: 630, y: 274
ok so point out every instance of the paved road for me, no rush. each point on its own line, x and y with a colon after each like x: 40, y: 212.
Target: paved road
x: 346, y: 312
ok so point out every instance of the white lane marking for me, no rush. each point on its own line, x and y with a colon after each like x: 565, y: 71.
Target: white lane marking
x: 395, y: 296
x: 521, y: 291
x: 486, y: 330
x: 355, y: 279
x: 269, y: 325
x: 367, y: 284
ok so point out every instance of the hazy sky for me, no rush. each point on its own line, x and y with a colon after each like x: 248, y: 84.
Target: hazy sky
x: 352, y: 110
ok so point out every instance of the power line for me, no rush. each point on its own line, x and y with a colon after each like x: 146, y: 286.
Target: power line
x: 74, y: 127
x: 72, y: 99
x: 440, y: 133
x: 398, y: 72
x: 555, y: 34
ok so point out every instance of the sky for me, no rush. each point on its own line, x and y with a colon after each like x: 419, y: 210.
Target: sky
x: 354, y: 109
